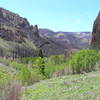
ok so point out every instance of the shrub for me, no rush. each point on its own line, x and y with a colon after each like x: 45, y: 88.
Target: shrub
x: 27, y: 74
x: 39, y: 63
x: 51, y: 69
x: 36, y: 76
x: 22, y: 72
x: 4, y: 77
x: 84, y: 61
x: 45, y: 67
x: 54, y: 64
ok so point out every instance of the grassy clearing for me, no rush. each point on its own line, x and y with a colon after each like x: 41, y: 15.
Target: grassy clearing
x: 71, y: 87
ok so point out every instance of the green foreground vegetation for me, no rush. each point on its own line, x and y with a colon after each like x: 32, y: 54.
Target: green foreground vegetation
x: 58, y: 77
x: 72, y: 87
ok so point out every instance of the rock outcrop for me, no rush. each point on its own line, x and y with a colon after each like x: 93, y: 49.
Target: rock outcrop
x: 15, y: 28
x: 95, y: 42
x: 23, y: 39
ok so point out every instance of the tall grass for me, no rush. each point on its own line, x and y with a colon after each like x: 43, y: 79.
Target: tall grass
x: 11, y: 91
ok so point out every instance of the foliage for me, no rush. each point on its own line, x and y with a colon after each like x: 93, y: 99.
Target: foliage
x: 57, y: 59
x: 51, y: 69
x: 54, y: 64
x: 30, y: 70
x: 22, y: 72
x: 4, y: 77
x: 46, y: 66
x: 84, y: 61
x: 40, y: 53
x: 25, y: 73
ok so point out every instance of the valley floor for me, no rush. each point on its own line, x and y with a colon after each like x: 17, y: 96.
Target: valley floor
x: 71, y: 87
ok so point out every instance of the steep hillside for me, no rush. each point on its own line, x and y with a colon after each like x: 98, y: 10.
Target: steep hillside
x: 76, y: 40
x: 95, y: 43
x: 22, y: 39
x: 14, y: 35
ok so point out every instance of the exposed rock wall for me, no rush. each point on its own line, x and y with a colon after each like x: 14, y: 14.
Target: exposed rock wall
x: 95, y: 42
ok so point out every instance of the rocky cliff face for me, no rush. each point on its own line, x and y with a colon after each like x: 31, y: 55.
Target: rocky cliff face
x: 15, y: 28
x: 95, y: 43
x: 22, y: 38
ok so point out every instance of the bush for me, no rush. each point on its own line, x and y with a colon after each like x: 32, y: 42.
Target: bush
x: 47, y: 66
x: 84, y: 61
x: 54, y: 64
x: 50, y: 69
x: 57, y: 59
x: 26, y: 74
x: 22, y: 72
x: 4, y: 77
x: 39, y: 64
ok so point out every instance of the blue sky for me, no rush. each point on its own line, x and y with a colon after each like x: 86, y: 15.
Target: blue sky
x: 57, y: 15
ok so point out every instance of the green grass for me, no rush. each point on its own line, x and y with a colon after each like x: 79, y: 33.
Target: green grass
x: 71, y: 87
x: 20, y: 71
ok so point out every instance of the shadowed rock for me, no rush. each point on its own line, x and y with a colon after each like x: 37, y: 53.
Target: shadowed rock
x: 95, y: 42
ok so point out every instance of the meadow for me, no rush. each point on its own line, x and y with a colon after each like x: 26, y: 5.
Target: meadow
x: 58, y: 77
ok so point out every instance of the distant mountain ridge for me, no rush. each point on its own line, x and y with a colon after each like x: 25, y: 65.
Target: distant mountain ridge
x: 76, y: 40
x: 20, y: 39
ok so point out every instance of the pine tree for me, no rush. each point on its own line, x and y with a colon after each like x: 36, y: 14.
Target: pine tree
x: 42, y: 66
